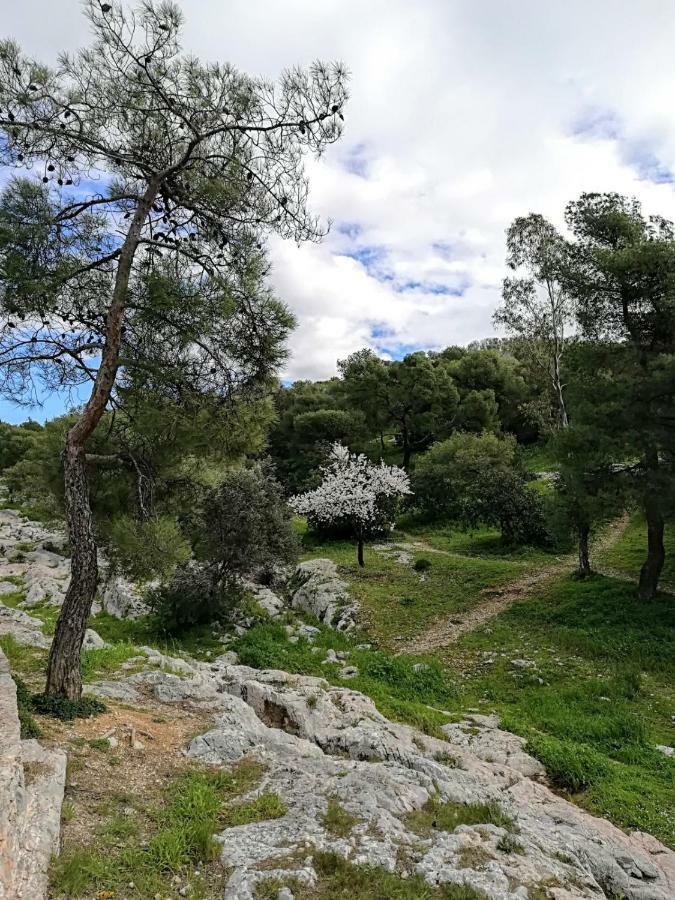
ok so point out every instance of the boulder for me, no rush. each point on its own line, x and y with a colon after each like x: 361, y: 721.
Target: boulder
x: 316, y: 588
x: 32, y: 782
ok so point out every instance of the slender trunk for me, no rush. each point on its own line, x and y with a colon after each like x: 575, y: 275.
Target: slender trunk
x: 382, y: 442
x: 359, y: 552
x: 560, y: 395
x: 63, y: 673
x: 63, y: 670
x: 407, y: 449
x: 584, y: 561
x: 656, y: 553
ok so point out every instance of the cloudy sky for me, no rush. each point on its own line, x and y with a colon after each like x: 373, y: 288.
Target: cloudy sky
x: 463, y: 114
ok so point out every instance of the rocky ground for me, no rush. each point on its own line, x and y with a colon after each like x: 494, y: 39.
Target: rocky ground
x: 471, y: 809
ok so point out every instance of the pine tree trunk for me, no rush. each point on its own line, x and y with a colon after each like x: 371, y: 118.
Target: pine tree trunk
x: 63, y: 673
x: 360, y: 553
x: 656, y: 553
x: 63, y: 670
x: 407, y: 453
x: 584, y: 561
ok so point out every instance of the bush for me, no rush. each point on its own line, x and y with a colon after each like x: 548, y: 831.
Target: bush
x: 444, y: 475
x: 62, y: 708
x: 145, y: 550
x: 245, y: 525
x: 473, y: 479
x: 422, y: 564
x: 196, y: 595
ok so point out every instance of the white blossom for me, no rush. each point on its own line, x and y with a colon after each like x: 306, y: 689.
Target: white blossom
x: 354, y: 491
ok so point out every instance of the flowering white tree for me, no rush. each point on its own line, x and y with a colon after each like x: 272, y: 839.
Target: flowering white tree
x: 356, y: 494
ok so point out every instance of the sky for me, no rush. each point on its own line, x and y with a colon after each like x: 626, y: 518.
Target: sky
x: 463, y: 115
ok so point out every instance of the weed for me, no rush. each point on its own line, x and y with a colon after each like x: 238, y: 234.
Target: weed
x: 337, y: 820
x: 507, y: 843
x: 67, y: 811
x: 446, y: 815
x: 342, y: 880
x: 261, y: 808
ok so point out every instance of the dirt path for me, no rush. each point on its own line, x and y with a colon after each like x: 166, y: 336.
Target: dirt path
x: 447, y: 631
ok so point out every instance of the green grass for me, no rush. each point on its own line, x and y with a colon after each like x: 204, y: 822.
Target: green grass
x: 629, y: 552
x: 199, y: 642
x: 601, y: 695
x: 260, y: 809
x: 336, y: 820
x: 170, y: 838
x: 397, y: 603
x: 400, y: 692
x: 102, y: 662
x: 446, y: 815
x: 538, y: 458
x: 26, y: 661
x: 342, y: 880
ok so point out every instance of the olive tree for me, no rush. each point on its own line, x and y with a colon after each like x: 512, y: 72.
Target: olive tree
x: 140, y: 160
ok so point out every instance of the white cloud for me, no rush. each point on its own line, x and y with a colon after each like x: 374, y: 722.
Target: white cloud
x: 463, y: 115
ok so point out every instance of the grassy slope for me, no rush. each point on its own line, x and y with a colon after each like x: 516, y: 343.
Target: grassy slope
x: 398, y: 602
x: 628, y: 554
x: 601, y: 696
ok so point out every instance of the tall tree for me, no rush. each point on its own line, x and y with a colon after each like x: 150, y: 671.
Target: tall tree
x: 413, y: 396
x: 137, y: 147
x: 620, y: 268
x: 536, y: 307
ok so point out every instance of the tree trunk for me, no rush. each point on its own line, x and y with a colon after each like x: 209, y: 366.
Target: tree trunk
x: 63, y: 673
x: 656, y: 553
x: 382, y: 442
x: 359, y: 552
x: 584, y: 561
x: 407, y: 452
x: 63, y: 670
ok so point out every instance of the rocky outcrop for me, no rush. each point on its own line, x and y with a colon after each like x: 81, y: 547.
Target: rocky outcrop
x: 32, y: 781
x: 316, y: 588
x: 323, y: 744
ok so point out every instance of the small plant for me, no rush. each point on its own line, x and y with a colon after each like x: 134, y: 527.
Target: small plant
x: 407, y: 601
x: 507, y: 843
x: 337, y: 820
x: 99, y: 744
x: 447, y: 815
x: 422, y: 564
x: 65, y: 709
x: 447, y: 759
x: 29, y: 727
x: 67, y: 812
x: 263, y: 807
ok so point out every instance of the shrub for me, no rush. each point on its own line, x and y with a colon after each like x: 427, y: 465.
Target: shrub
x: 196, y: 595
x: 245, y: 525
x: 422, y: 564
x: 145, y: 550
x: 473, y: 479
x: 65, y: 709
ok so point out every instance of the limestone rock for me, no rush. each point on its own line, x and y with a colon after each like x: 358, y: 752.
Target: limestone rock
x: 93, y: 640
x: 317, y: 589
x: 25, y: 629
x: 32, y: 781
x: 122, y: 599
x: 482, y: 736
